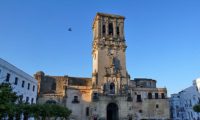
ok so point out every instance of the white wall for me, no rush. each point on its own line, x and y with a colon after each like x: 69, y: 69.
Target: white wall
x: 182, y: 103
x: 7, y: 68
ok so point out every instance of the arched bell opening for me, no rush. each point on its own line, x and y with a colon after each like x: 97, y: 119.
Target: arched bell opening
x: 112, y: 88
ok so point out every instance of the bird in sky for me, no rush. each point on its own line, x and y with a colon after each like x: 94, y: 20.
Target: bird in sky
x: 70, y: 29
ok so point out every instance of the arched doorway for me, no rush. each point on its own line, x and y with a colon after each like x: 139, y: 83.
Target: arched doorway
x: 112, y: 111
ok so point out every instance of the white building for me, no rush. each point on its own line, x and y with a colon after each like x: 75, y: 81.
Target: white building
x: 182, y: 103
x: 23, y: 84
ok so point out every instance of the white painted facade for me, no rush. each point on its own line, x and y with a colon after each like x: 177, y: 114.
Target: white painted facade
x: 182, y: 103
x: 23, y: 84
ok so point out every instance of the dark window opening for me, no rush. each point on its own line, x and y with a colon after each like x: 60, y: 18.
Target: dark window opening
x: 139, y: 99
x: 162, y: 95
x: 23, y: 82
x: 156, y: 95
x: 112, y: 88
x: 104, y: 88
x: 53, y: 86
x: 117, y: 30
x: 104, y: 29
x: 129, y: 98
x: 130, y: 118
x: 28, y: 86
x: 75, y: 100
x: 198, y: 100
x: 157, y: 106
x: 20, y: 98
x: 7, y: 77
x: 16, y: 80
x: 32, y: 100
x: 140, y: 111
x: 150, y: 95
x: 95, y: 118
x: 87, y: 111
x: 95, y: 96
x: 33, y: 87
x: 27, y: 99
x: 110, y: 29
x: 116, y: 62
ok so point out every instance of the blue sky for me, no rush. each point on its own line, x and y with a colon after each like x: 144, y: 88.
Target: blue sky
x: 163, y: 37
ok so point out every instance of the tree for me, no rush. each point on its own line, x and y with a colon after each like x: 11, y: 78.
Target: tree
x: 60, y: 111
x: 7, y: 100
x: 196, y: 108
x: 53, y: 110
x: 9, y: 107
x: 36, y: 110
x: 6, y: 94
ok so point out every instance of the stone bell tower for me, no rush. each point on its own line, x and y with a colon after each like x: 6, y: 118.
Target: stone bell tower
x: 109, y: 59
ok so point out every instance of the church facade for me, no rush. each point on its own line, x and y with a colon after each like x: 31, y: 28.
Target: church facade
x: 109, y: 94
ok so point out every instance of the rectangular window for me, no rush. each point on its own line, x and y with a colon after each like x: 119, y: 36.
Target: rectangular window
x: 32, y: 100
x: 139, y: 99
x: 117, y: 30
x: 75, y: 100
x: 110, y: 29
x: 140, y: 111
x: 198, y: 100
x: 23, y: 82
x: 21, y: 98
x: 87, y: 111
x: 95, y: 96
x: 27, y: 99
x: 156, y: 95
x: 7, y: 77
x: 150, y: 95
x: 104, y: 29
x: 162, y: 95
x: 16, y: 80
x: 33, y: 88
x: 157, y: 106
x: 28, y: 86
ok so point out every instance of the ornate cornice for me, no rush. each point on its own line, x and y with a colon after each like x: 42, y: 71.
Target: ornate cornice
x: 109, y: 42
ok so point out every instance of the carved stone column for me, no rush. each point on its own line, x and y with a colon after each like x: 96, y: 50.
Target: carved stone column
x: 106, y: 27
x: 122, y: 30
x: 115, y: 28
x: 99, y: 27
